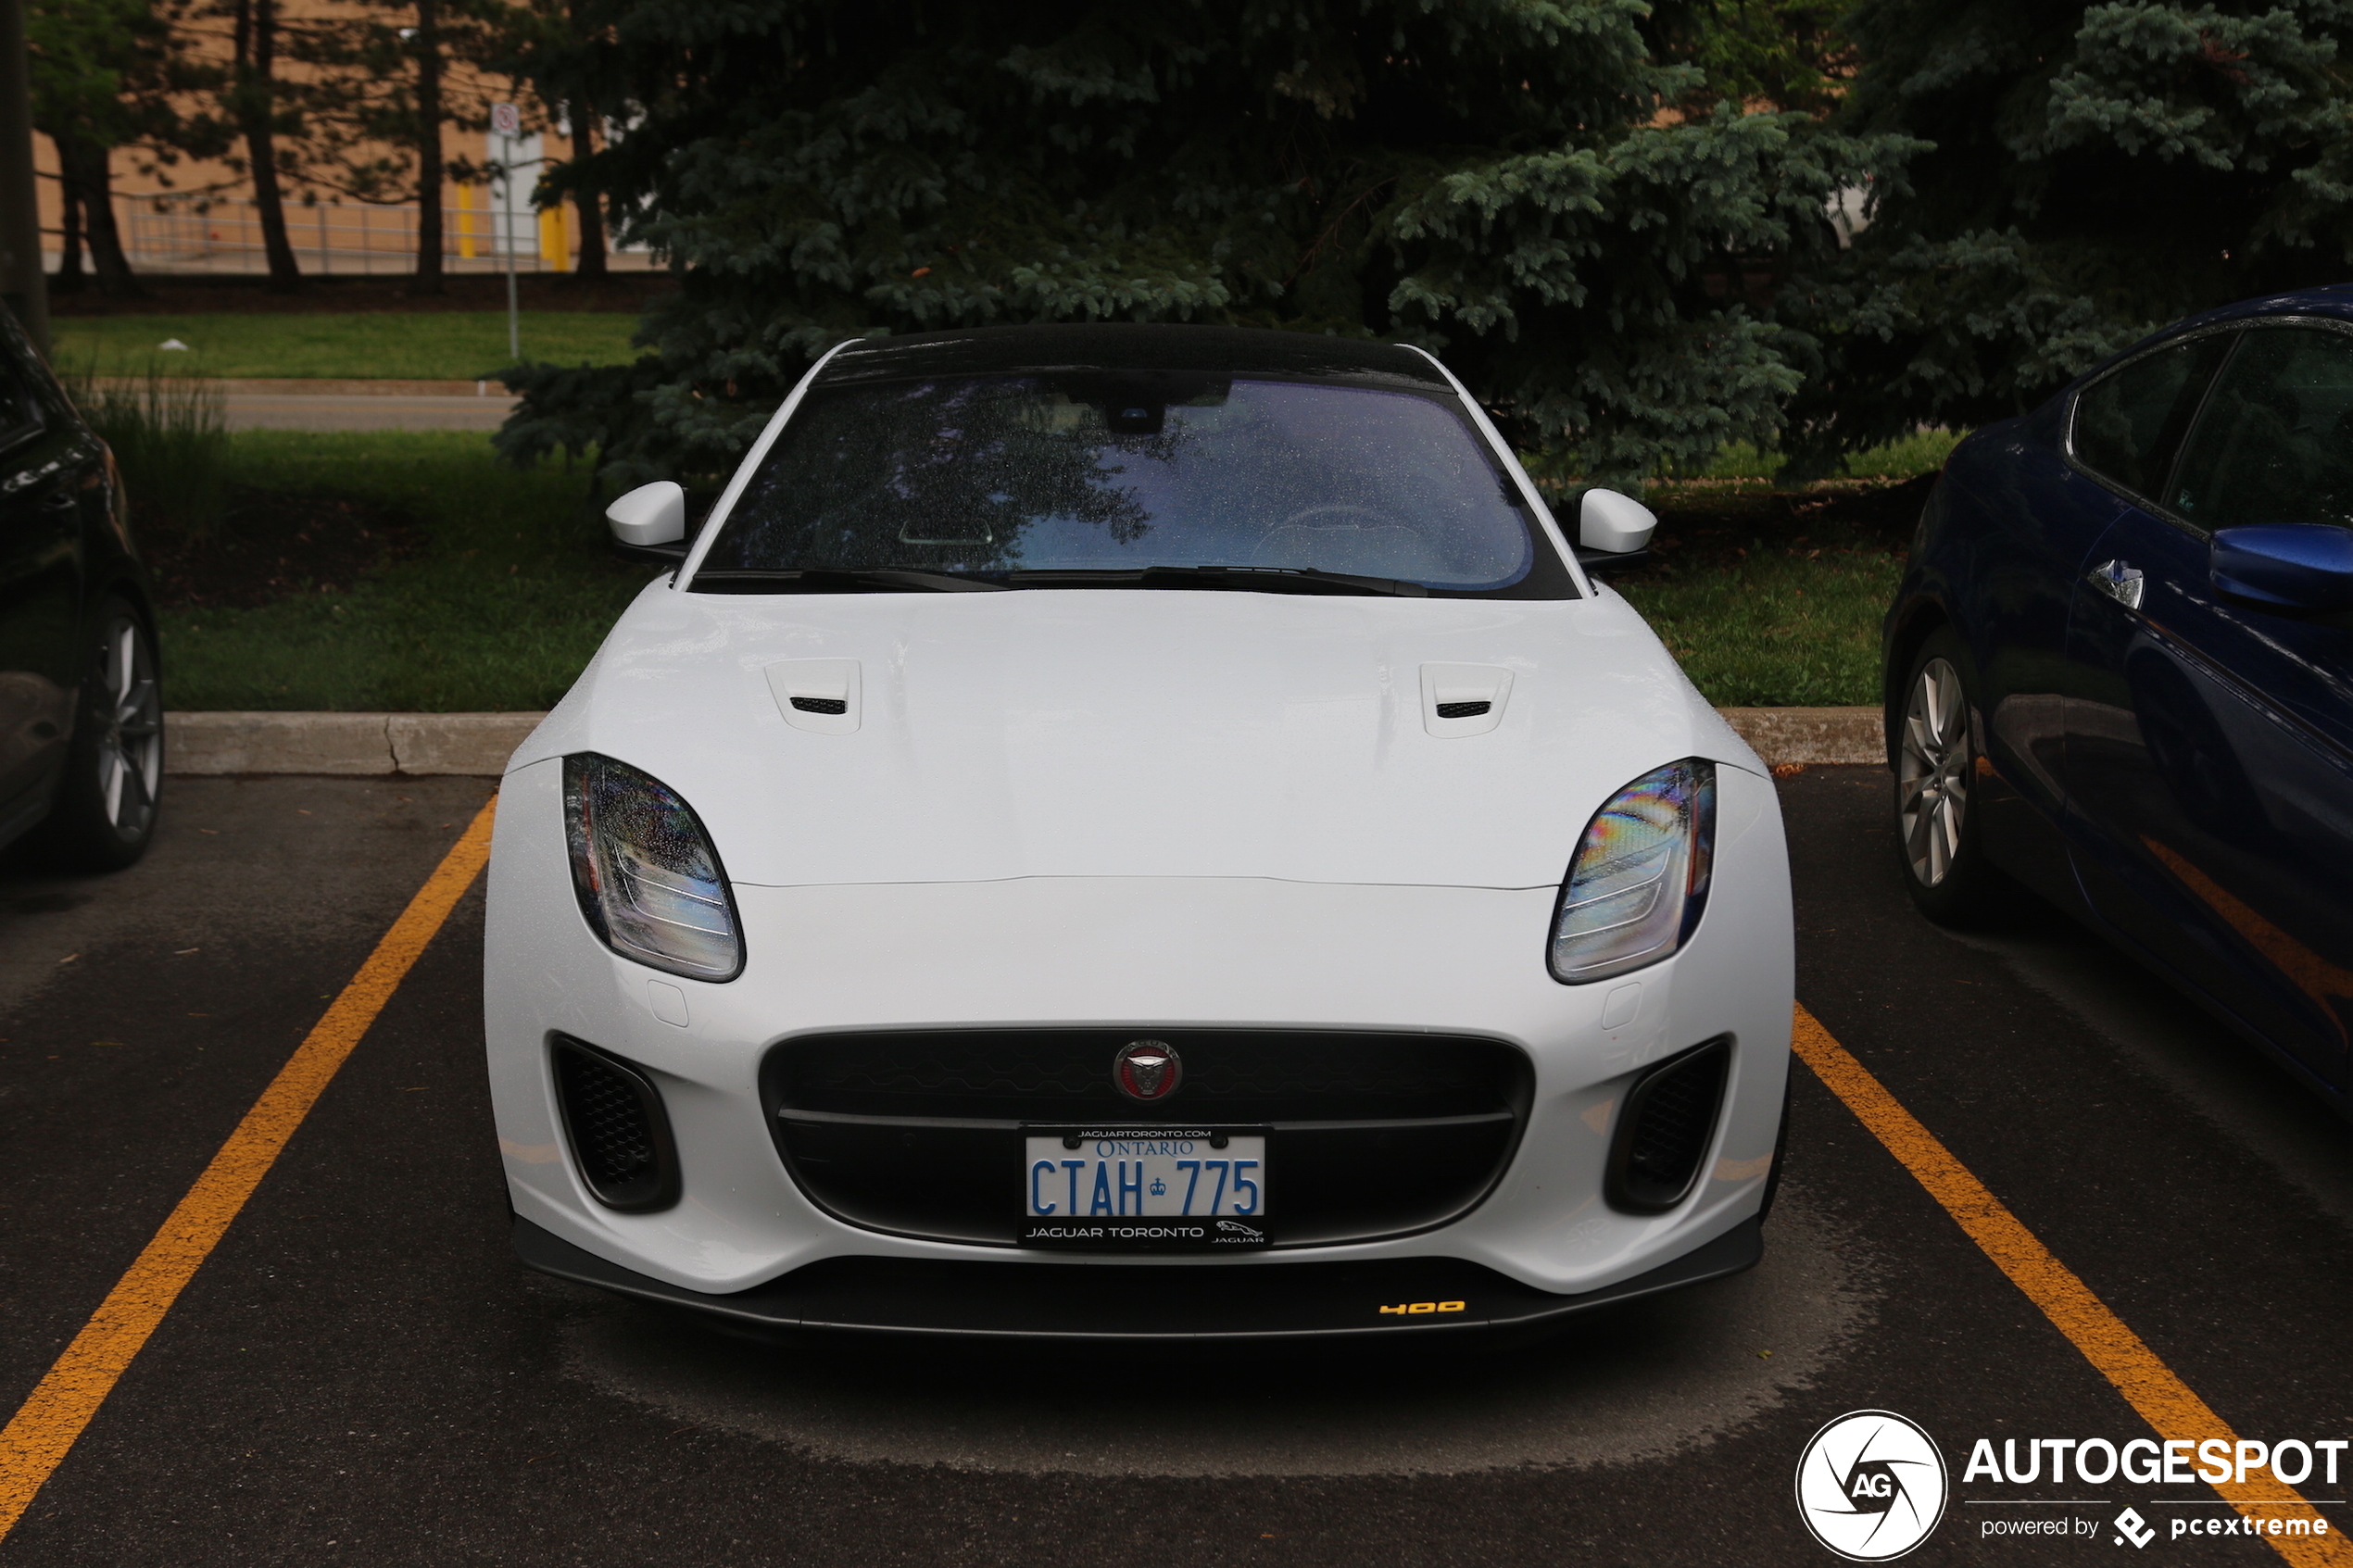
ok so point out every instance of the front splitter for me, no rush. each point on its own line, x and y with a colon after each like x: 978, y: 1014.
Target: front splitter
x: 1127, y: 1302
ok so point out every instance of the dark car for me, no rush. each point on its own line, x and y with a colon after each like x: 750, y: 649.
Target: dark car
x: 2120, y: 669
x: 81, y: 719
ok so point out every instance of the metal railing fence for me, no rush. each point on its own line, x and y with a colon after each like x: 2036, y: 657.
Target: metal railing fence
x: 223, y: 234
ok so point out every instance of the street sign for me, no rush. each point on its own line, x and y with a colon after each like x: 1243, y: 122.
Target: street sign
x: 506, y: 120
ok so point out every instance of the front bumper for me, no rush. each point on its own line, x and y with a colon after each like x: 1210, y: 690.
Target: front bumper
x: 1128, y: 1303
x: 1048, y: 953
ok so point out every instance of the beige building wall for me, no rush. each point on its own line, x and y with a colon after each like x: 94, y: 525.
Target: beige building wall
x: 199, y: 216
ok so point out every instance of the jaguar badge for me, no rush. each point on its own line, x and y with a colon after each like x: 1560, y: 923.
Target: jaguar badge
x: 1147, y: 1069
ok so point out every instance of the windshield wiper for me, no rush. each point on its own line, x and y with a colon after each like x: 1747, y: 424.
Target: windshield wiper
x: 1245, y: 578
x: 831, y: 579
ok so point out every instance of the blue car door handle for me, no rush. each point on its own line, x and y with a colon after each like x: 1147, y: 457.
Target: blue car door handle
x: 2119, y: 581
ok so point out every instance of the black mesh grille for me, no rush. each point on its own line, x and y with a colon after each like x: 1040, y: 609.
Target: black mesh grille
x: 620, y: 1134
x: 1228, y: 1074
x: 832, y: 705
x: 1374, y: 1134
x: 1666, y: 1129
x: 1463, y: 710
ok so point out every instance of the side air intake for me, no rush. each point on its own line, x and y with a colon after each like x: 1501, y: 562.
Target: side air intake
x: 1666, y: 1129
x: 619, y: 1131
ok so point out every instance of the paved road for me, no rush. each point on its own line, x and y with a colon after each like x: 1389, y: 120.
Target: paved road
x: 359, y: 1374
x: 310, y: 412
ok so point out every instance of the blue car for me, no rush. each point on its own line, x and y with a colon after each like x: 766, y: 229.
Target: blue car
x: 2120, y: 669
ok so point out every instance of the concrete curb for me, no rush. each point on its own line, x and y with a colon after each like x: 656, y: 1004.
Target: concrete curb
x: 1786, y: 737
x: 343, y: 743
x: 479, y: 744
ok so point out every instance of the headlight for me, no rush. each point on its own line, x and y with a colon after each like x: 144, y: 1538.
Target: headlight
x: 1639, y: 879
x: 648, y: 880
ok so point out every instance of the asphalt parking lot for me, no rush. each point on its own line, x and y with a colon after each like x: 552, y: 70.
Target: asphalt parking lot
x: 359, y: 1373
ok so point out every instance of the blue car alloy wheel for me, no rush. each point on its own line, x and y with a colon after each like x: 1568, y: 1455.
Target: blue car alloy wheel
x: 1935, y: 763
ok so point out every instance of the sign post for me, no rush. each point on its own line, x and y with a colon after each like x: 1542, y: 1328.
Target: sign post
x: 505, y: 123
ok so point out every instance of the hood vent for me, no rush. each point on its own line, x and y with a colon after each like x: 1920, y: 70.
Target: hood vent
x: 1464, y: 699
x: 818, y: 695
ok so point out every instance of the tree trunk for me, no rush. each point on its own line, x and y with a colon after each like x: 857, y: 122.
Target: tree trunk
x: 93, y: 183
x: 584, y: 142
x: 69, y: 279
x: 592, y: 219
x: 254, y: 46
x: 429, y: 173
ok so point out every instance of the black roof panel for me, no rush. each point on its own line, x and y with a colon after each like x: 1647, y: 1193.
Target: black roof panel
x: 1119, y: 345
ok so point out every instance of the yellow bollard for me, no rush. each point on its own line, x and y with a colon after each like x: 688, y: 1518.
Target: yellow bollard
x: 555, y: 237
x: 465, y: 221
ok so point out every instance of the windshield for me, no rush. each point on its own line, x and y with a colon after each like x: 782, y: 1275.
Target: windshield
x: 1094, y: 472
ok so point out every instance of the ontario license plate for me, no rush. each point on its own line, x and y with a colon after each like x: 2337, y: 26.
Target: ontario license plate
x: 1144, y: 1190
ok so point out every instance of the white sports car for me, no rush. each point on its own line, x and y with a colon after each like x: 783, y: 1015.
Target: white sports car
x: 1125, y: 832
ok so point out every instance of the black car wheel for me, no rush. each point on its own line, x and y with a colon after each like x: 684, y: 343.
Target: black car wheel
x: 105, y: 813
x: 1936, y: 756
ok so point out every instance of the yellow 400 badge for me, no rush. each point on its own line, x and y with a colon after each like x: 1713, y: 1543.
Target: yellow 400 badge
x: 1415, y: 1308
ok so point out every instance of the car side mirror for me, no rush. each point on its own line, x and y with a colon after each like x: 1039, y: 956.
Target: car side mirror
x: 649, y: 517
x: 1613, y: 528
x: 2284, y: 566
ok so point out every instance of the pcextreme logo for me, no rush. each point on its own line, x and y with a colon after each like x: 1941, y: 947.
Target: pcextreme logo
x: 1871, y: 1486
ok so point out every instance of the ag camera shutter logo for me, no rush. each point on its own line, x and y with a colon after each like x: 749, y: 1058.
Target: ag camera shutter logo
x: 1871, y: 1486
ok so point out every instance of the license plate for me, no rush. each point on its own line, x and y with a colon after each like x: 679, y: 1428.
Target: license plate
x: 1144, y: 1190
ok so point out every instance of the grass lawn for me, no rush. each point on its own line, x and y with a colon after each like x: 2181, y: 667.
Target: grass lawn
x: 1790, y: 623
x: 411, y: 346
x: 1772, y: 598
x: 505, y: 587
x: 506, y: 592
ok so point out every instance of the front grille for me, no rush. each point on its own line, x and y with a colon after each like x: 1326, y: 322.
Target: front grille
x: 1666, y: 1128
x: 1463, y: 710
x: 620, y: 1132
x: 1368, y: 1134
x: 1230, y: 1075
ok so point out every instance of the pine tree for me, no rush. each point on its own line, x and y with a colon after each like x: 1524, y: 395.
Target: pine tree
x: 2097, y: 171
x: 1537, y: 189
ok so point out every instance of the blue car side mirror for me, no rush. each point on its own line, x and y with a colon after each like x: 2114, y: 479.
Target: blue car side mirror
x: 2291, y: 566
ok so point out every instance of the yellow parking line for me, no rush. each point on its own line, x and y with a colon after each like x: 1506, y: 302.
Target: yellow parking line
x: 45, y: 1428
x: 2146, y: 1382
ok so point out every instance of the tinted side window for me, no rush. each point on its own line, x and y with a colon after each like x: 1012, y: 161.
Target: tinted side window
x: 20, y: 410
x: 21, y: 415
x: 2128, y: 424
x: 2275, y: 443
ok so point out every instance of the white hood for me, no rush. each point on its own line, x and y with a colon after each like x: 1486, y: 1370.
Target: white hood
x: 1135, y: 732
